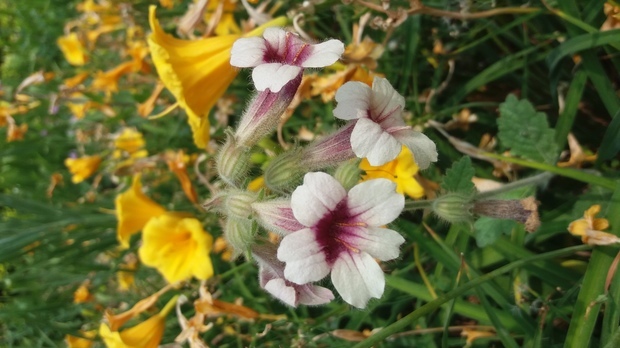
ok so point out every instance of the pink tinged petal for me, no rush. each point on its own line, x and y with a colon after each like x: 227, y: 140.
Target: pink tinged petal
x: 304, y: 257
x: 369, y: 140
x: 277, y: 216
x: 424, y: 149
x: 385, y: 99
x: 375, y: 202
x: 319, y: 195
x: 324, y: 54
x: 278, y: 289
x: 313, y: 295
x: 380, y: 243
x: 248, y: 52
x: 357, y: 277
x: 273, y: 76
x: 353, y: 101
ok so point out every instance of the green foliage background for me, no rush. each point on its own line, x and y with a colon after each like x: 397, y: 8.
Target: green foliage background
x: 540, y: 300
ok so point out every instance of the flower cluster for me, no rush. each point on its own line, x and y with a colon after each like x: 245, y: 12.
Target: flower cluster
x: 324, y: 228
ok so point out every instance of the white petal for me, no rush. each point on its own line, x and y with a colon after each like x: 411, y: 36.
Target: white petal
x: 353, y: 101
x: 371, y: 141
x: 247, y: 52
x: 375, y: 202
x: 380, y: 243
x: 424, y: 149
x: 273, y: 76
x: 304, y: 257
x: 319, y: 194
x: 313, y: 295
x: 279, y: 290
x: 384, y: 98
x: 324, y: 54
x: 357, y: 278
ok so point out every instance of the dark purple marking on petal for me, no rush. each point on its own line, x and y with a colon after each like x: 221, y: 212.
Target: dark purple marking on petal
x: 336, y: 231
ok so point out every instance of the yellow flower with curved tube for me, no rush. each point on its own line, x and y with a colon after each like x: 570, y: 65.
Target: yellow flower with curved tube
x: 72, y: 49
x: 177, y: 246
x: 590, y: 228
x: 133, y: 210
x: 400, y: 171
x: 197, y: 72
x: 147, y: 334
x: 82, y: 168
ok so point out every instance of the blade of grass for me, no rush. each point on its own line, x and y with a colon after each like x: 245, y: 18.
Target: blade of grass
x: 461, y: 307
x: 501, y: 330
x: 433, y: 305
x: 567, y: 172
x: 611, y: 318
x: 581, y: 43
x: 572, y: 100
x: 610, y: 145
x: 501, y: 68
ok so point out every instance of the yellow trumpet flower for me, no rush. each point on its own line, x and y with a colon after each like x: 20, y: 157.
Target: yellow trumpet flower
x: 133, y: 210
x: 177, y: 246
x: 147, y: 334
x: 197, y: 72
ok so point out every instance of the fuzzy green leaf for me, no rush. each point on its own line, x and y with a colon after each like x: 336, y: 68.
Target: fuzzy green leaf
x: 526, y: 132
x: 458, y: 177
x: 488, y: 230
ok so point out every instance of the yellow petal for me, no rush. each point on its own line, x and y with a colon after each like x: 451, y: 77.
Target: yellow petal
x: 578, y: 227
x: 401, y: 171
x: 130, y: 140
x: 147, y: 334
x: 600, y: 224
x: 592, y: 211
x: 83, y: 167
x: 72, y: 49
x: 133, y: 210
x: 178, y: 247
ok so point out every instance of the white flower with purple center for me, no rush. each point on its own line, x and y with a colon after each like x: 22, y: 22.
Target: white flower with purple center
x: 342, y: 235
x: 380, y: 129
x: 280, y: 56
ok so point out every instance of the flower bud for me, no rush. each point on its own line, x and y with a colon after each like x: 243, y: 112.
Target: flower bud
x: 264, y: 112
x: 285, y: 171
x: 524, y: 211
x: 233, y: 162
x: 453, y: 207
x: 239, y: 234
x: 331, y: 150
x: 239, y: 203
x: 348, y: 174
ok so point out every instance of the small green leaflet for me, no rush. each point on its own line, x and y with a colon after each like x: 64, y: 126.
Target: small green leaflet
x: 526, y: 132
x: 458, y: 177
x: 488, y: 230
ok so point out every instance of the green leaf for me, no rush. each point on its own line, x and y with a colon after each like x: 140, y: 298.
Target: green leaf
x: 611, y: 140
x: 525, y: 131
x: 488, y: 230
x: 458, y: 177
